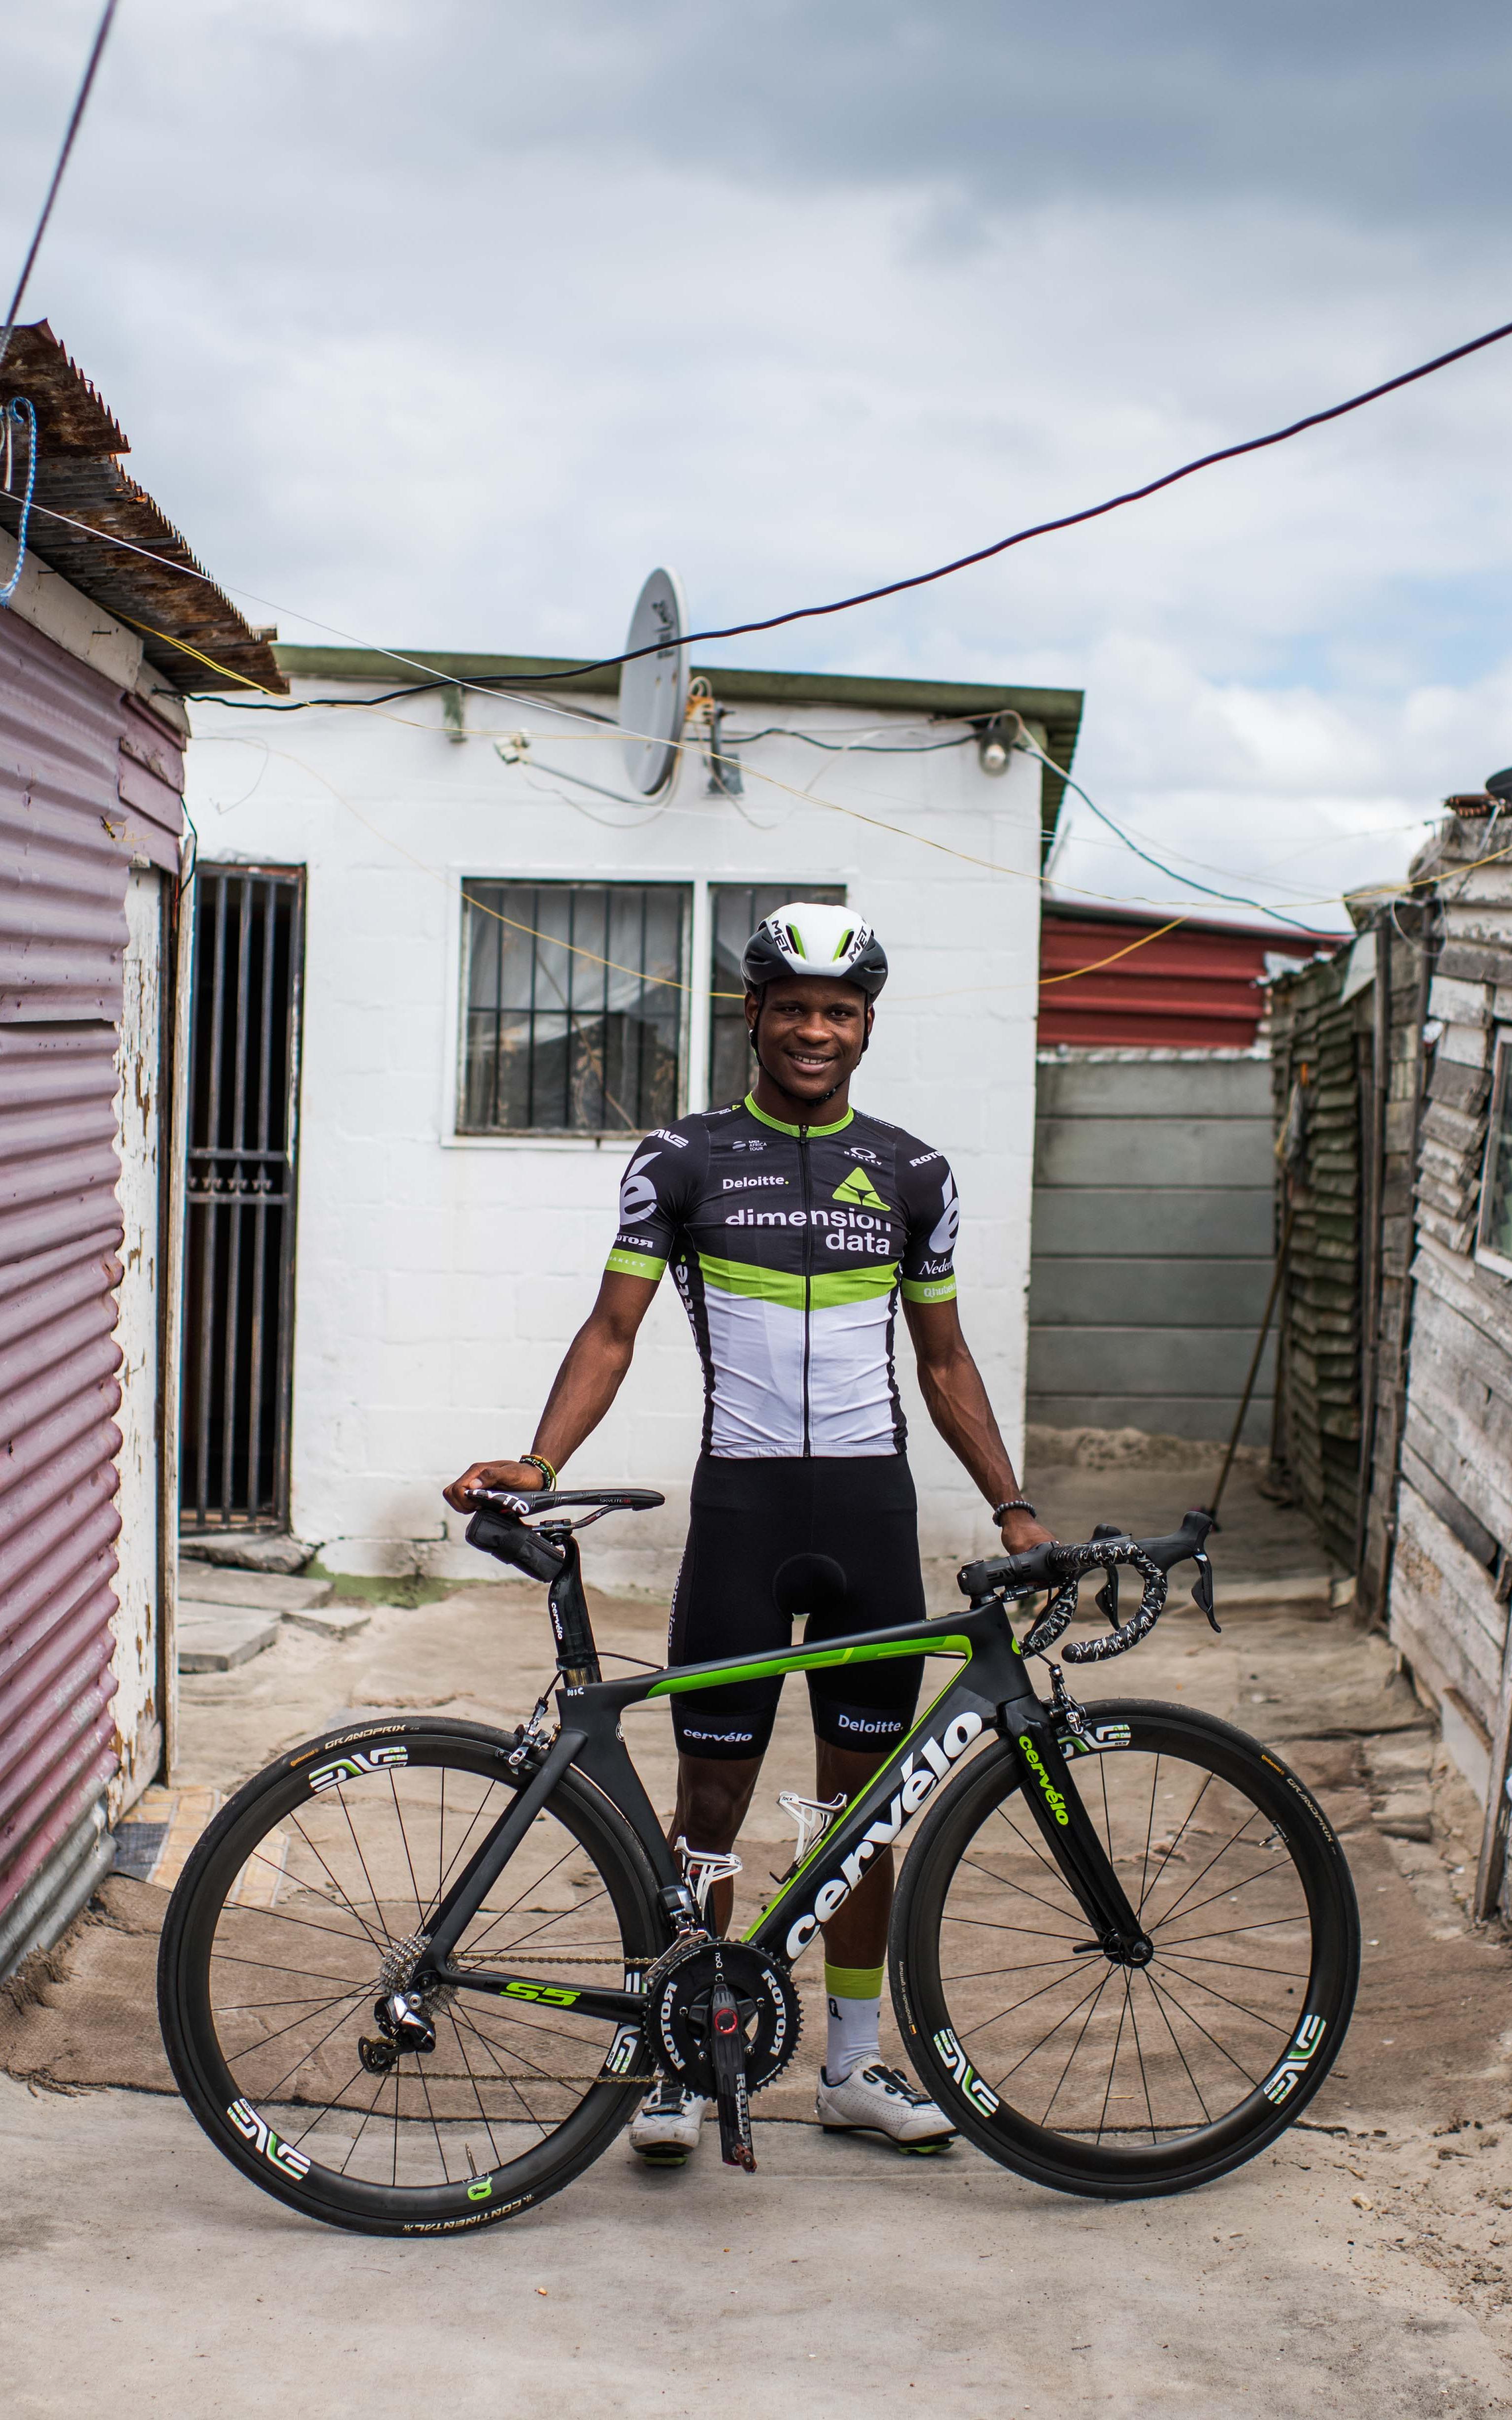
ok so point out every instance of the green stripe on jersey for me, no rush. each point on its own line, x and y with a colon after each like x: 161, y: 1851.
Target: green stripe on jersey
x: 827, y: 1290
x: 839, y: 1126
x: 929, y: 1289
x: 634, y: 1265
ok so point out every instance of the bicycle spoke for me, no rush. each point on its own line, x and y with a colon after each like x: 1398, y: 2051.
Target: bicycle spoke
x: 393, y: 1793
x: 1006, y: 1881
x: 476, y: 2094
x: 1076, y: 2044
x: 1197, y: 1982
x: 1181, y: 2055
x: 1035, y: 2047
x: 1113, y: 2063
x: 336, y: 1887
x: 1175, y: 1843
x: 1139, y: 2053
x: 1054, y: 1985
x: 1033, y: 1846
x: 1202, y: 2029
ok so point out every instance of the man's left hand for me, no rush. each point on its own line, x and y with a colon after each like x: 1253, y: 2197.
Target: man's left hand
x: 1021, y: 1530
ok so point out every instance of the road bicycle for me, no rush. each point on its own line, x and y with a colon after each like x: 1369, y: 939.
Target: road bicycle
x: 417, y: 1975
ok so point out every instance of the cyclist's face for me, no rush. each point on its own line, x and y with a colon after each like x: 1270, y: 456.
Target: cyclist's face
x: 813, y: 1031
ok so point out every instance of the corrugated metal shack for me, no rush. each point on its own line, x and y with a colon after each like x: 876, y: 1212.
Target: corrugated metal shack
x: 1347, y: 1074
x: 92, y: 729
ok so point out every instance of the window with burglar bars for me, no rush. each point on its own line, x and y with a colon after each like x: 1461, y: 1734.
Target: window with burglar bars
x: 737, y: 908
x: 572, y: 1006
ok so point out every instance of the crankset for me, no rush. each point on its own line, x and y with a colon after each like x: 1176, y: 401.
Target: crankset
x: 725, y: 2019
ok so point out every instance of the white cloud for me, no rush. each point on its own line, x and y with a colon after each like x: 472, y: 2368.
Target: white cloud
x: 441, y: 325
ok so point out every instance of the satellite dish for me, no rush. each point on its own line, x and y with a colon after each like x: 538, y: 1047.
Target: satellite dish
x: 653, y: 689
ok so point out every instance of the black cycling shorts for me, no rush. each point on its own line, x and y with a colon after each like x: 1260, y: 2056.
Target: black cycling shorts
x: 832, y: 1540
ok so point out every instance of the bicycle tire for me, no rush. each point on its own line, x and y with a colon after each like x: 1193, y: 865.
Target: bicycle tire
x: 321, y: 1856
x: 1295, y: 1948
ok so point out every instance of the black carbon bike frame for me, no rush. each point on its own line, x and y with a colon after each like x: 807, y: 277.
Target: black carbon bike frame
x: 991, y: 1694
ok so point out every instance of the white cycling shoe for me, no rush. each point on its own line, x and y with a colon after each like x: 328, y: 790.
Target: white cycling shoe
x: 666, y: 2127
x: 876, y: 2099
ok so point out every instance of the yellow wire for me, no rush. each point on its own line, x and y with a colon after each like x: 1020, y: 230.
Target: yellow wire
x: 184, y: 648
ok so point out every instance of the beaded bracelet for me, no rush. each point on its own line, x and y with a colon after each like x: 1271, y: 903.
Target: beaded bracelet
x: 538, y: 1462
x: 1018, y: 1504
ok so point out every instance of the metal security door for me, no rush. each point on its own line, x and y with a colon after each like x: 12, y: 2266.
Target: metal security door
x: 238, y: 1259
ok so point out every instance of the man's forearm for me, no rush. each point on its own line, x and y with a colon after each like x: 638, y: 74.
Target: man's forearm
x: 958, y: 1406
x: 582, y: 1391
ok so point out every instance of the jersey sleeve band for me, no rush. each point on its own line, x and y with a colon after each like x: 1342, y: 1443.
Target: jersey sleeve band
x: 929, y: 1289
x: 634, y: 1265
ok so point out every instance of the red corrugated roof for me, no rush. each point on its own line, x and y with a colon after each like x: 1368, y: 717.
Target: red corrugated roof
x: 1194, y: 988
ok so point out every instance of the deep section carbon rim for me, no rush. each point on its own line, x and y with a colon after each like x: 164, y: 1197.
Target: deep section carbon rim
x: 305, y: 1904
x: 1107, y: 2078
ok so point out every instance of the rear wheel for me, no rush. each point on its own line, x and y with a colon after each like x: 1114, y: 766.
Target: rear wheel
x: 299, y: 1911
x: 1110, y: 2080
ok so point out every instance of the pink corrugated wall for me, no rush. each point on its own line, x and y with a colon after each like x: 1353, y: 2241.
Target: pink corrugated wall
x: 86, y: 779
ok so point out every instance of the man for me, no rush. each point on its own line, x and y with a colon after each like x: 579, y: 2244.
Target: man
x: 793, y: 1224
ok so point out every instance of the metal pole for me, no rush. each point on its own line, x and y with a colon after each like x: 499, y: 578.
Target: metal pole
x: 1254, y: 1362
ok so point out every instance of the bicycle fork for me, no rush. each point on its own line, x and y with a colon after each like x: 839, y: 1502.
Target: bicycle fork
x: 1071, y: 1839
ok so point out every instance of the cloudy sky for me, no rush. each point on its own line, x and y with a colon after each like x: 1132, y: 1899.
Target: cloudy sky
x: 439, y: 320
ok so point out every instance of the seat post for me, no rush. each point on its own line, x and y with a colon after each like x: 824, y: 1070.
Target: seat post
x: 571, y: 1625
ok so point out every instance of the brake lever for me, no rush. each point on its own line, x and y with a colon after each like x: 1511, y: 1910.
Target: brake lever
x: 1106, y: 1599
x: 1202, y: 1593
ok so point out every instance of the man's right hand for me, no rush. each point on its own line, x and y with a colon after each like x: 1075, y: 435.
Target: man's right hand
x: 518, y: 1478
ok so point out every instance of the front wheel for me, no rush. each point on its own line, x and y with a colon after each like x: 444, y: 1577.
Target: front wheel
x: 1110, y: 2080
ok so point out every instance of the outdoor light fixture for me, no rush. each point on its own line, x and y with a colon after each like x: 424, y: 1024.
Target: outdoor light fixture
x: 993, y: 742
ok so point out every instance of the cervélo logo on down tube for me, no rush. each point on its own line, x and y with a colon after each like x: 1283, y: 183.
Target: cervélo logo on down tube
x: 915, y: 1782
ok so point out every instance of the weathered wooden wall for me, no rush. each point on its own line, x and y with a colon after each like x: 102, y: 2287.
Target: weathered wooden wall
x: 1452, y: 1569
x: 1406, y: 940
x: 1317, y: 1041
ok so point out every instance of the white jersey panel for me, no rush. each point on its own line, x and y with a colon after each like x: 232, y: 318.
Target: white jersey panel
x: 851, y: 1405
x: 756, y: 1352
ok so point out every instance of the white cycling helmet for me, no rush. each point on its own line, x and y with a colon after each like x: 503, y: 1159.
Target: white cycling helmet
x: 805, y: 939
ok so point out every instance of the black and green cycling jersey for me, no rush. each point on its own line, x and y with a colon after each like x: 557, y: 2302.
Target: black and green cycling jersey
x: 790, y: 1246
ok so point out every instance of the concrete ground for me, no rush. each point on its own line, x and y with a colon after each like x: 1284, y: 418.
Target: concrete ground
x: 1360, y: 2267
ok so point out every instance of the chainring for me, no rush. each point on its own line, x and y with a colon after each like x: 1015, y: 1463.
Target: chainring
x: 678, y: 2023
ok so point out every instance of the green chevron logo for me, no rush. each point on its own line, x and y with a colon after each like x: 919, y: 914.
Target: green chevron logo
x: 859, y: 1191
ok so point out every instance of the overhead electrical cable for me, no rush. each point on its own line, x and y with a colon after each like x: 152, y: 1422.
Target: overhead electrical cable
x: 1232, y: 898
x: 1037, y: 529
x: 912, y: 580
x: 75, y: 122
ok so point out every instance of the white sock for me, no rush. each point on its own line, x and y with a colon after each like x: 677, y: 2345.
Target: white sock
x: 854, y: 2019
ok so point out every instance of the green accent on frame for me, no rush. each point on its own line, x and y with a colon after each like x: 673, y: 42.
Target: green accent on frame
x: 839, y: 1126
x: 830, y: 1289
x: 901, y: 1750
x: 800, y: 1659
x: 634, y: 1264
